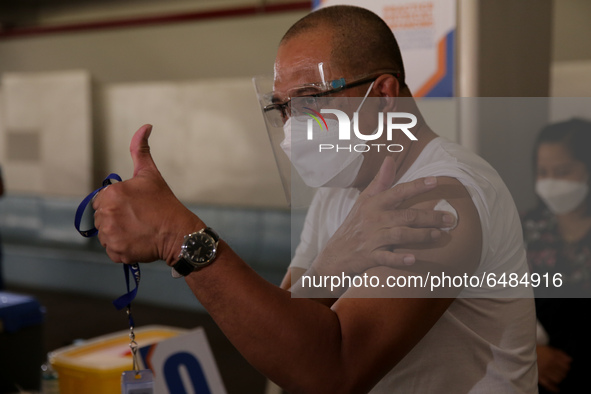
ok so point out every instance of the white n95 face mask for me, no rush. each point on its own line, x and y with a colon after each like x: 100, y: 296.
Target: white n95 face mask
x: 337, y: 167
x: 326, y: 168
x: 560, y: 195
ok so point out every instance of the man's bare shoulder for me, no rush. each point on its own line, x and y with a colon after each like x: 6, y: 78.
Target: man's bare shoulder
x: 459, y: 248
x: 456, y: 252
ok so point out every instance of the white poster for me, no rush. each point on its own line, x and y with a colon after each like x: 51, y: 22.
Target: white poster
x: 183, y: 364
x: 425, y: 31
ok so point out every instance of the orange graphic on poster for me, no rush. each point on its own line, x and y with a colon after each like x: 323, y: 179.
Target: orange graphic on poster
x: 409, y: 16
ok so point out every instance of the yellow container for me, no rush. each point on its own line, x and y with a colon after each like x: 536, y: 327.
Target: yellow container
x: 95, y: 366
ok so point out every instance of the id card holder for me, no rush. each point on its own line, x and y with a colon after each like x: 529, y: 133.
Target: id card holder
x: 137, y: 382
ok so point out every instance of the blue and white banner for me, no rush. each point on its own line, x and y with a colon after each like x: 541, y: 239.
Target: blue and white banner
x: 425, y: 30
x: 183, y: 364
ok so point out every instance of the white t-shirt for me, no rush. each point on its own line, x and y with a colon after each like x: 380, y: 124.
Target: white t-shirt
x: 485, y: 341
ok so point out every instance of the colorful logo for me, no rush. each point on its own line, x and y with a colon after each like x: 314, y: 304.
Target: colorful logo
x: 317, y: 117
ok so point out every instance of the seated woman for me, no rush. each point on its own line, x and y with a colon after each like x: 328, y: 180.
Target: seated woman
x: 558, y: 238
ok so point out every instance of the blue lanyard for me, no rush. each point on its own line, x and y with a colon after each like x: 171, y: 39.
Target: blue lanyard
x: 125, y: 299
x: 87, y: 200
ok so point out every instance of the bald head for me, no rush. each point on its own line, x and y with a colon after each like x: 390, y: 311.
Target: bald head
x: 361, y: 41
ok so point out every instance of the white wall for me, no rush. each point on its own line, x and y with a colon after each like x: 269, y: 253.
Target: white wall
x: 192, y: 81
x: 45, y: 132
x: 230, y: 47
x: 209, y: 139
x: 169, y: 56
x: 571, y: 30
x: 571, y: 49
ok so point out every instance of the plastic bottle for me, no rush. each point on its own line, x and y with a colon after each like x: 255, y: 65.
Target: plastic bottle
x: 49, y: 379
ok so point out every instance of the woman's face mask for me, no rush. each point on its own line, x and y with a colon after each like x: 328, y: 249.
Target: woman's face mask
x: 561, y: 195
x: 329, y: 168
x: 562, y: 180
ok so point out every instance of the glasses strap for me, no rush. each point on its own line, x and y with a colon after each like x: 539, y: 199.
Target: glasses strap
x: 366, y: 95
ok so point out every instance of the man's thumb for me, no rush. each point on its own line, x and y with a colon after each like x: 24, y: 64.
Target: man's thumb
x: 383, y: 179
x: 140, y: 150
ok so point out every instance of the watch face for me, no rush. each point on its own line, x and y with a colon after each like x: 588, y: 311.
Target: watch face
x: 199, y: 248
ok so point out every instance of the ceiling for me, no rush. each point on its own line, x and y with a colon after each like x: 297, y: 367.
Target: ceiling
x: 24, y: 13
x: 31, y: 13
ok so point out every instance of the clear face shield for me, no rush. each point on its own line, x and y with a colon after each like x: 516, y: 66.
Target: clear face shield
x: 274, y: 122
x: 318, y: 134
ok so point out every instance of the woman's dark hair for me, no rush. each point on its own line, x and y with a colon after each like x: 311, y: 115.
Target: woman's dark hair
x: 575, y: 136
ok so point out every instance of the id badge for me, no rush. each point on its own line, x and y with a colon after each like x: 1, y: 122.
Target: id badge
x: 137, y: 382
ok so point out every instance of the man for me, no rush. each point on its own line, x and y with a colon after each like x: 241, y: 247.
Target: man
x: 358, y: 342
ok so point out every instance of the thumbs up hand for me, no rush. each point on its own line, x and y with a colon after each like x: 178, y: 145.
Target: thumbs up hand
x: 140, y: 151
x: 140, y: 219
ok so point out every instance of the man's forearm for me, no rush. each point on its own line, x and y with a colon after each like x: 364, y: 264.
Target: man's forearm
x: 292, y: 341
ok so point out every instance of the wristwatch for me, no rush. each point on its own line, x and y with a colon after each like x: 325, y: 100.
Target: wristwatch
x: 198, y: 250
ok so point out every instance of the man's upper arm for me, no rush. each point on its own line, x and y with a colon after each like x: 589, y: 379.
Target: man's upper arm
x: 381, y: 324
